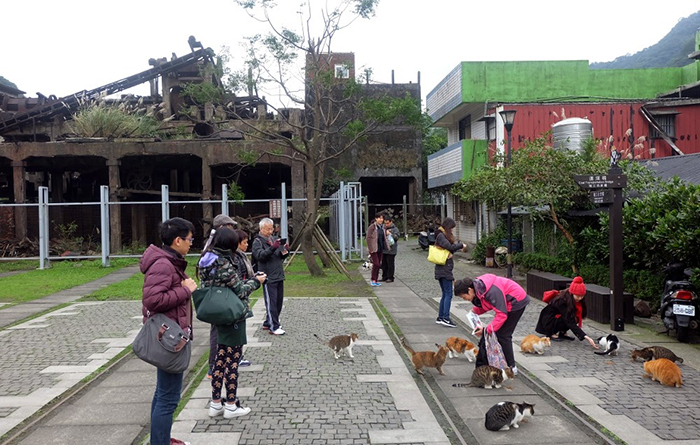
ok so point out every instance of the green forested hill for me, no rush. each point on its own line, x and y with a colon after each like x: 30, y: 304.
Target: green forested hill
x: 7, y: 82
x: 672, y: 50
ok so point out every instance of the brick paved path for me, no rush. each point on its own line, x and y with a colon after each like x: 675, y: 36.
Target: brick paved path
x: 300, y: 394
x: 47, y: 355
x: 610, y: 389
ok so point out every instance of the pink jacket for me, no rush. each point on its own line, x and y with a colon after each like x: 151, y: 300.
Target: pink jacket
x: 503, y: 295
x: 162, y: 286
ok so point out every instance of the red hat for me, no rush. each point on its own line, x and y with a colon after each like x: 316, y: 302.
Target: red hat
x: 577, y: 287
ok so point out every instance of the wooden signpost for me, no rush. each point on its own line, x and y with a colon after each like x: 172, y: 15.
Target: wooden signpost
x: 607, y: 190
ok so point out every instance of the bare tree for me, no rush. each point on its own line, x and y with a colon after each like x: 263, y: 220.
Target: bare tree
x: 338, y: 112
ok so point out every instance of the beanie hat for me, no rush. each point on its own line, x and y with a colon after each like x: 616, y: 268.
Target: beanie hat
x: 577, y: 287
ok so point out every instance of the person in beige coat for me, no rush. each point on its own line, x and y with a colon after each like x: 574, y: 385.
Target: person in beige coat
x: 376, y: 243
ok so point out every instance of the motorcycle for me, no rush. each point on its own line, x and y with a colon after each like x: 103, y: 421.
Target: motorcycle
x: 680, y: 307
x: 426, y: 238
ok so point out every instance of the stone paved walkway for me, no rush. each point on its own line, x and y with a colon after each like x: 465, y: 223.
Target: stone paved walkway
x: 609, y: 389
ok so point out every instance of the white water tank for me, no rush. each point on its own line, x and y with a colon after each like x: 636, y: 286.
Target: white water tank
x: 571, y: 133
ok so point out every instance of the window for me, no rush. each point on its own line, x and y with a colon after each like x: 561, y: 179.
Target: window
x: 464, y: 211
x: 342, y: 72
x: 465, y: 128
x: 667, y: 122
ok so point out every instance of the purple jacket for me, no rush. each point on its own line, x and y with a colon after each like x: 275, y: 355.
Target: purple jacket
x: 163, y: 292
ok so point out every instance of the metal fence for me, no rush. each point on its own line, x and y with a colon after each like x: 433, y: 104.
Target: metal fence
x: 52, y: 222
x: 409, y: 217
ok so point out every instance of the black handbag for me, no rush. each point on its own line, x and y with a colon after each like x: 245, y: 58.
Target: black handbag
x: 219, y: 305
x: 162, y: 343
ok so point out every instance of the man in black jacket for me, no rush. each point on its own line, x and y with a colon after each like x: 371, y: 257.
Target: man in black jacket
x: 269, y: 253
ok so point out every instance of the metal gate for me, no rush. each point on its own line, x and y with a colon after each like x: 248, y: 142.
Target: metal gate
x: 346, y: 222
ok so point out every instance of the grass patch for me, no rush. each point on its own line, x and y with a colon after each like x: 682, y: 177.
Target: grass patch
x: 300, y: 283
x: 60, y: 276
x: 132, y: 287
x: 11, y: 266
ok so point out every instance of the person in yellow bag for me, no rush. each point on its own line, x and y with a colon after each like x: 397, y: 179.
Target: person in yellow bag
x: 443, y: 273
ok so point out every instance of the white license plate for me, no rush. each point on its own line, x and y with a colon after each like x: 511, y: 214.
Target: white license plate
x: 682, y: 309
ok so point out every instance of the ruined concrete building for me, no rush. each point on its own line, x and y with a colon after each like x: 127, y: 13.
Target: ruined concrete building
x: 199, y: 148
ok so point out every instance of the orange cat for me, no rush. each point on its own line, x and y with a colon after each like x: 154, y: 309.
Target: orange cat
x: 457, y: 345
x: 664, y: 371
x: 428, y: 359
x: 534, y: 344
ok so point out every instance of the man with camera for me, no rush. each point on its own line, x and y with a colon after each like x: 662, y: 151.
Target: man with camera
x: 269, y: 253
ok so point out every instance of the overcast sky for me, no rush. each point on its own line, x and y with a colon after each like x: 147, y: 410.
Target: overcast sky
x: 64, y: 47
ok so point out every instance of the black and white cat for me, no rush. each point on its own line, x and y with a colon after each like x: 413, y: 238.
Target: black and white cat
x: 609, y: 343
x: 502, y: 416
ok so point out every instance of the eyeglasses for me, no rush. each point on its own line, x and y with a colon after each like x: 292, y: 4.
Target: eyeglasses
x: 191, y: 240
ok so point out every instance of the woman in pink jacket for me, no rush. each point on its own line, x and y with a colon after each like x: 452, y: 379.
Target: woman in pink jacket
x: 506, y: 298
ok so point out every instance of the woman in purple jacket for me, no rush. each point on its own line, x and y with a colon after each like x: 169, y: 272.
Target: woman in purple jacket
x: 507, y: 299
x: 168, y: 290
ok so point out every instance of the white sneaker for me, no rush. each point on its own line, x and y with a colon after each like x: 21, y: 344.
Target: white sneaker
x: 278, y: 331
x: 216, y: 409
x: 515, y: 370
x: 231, y: 411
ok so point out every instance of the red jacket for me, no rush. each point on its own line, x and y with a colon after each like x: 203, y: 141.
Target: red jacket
x: 164, y: 270
x: 503, y: 295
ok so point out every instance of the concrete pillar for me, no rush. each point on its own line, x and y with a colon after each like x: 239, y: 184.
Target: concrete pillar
x: 207, y: 208
x: 18, y: 171
x: 115, y: 211
x: 412, y: 196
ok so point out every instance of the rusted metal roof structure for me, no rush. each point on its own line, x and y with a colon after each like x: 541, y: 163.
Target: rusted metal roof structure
x: 70, y: 103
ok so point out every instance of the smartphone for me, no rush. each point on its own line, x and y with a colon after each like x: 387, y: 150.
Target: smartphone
x: 283, y: 241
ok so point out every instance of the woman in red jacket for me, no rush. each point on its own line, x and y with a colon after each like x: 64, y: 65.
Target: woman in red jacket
x: 565, y: 311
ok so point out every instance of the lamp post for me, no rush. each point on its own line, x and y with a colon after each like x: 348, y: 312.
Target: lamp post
x: 508, y: 117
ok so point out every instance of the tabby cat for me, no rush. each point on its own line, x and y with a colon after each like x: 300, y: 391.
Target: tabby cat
x: 664, y: 371
x: 534, y: 344
x: 427, y: 359
x: 487, y: 377
x: 341, y: 344
x: 503, y: 415
x: 457, y: 345
x: 655, y: 353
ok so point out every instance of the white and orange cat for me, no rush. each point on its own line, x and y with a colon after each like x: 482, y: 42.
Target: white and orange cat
x: 663, y: 371
x: 457, y: 345
x: 534, y: 344
x: 341, y: 344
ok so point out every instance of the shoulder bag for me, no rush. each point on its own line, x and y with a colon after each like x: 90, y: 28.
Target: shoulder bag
x: 218, y: 305
x: 494, y: 352
x: 438, y: 255
x: 162, y: 343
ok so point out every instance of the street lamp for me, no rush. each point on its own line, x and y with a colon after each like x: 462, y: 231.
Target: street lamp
x: 508, y: 117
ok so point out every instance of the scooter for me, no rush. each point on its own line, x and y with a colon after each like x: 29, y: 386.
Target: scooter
x: 680, y: 307
x: 426, y: 238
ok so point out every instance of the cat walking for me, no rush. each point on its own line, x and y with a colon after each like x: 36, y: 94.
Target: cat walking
x: 341, y: 344
x: 427, y: 359
x: 457, y: 345
x: 502, y: 416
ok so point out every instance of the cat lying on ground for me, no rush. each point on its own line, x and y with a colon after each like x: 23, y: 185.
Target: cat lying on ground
x: 534, y: 344
x: 487, y: 377
x: 664, y: 371
x: 655, y: 353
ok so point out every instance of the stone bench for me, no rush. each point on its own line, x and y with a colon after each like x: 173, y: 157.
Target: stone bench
x: 540, y: 282
x: 598, y: 304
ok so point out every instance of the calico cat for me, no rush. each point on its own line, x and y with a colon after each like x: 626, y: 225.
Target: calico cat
x: 664, y: 371
x: 655, y: 353
x: 341, y: 344
x: 609, y: 343
x: 534, y: 344
x: 487, y: 377
x: 503, y: 415
x: 457, y: 345
x: 427, y: 359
